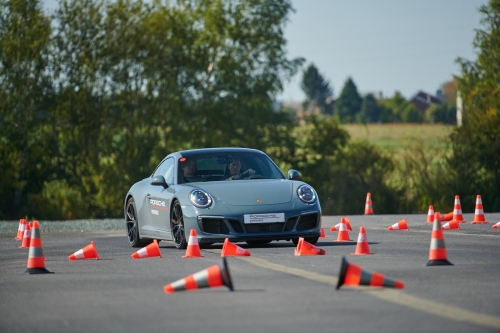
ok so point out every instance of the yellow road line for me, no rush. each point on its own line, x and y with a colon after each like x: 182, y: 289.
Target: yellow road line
x: 389, y: 295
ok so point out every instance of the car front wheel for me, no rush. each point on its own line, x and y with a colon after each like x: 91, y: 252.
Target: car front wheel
x: 177, y: 226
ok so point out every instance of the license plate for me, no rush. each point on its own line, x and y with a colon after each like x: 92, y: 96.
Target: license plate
x: 264, y: 218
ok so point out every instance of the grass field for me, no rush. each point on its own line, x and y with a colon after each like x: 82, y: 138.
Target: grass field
x: 397, y: 137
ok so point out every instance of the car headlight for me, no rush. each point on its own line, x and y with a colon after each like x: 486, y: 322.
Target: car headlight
x: 200, y: 199
x: 306, y: 194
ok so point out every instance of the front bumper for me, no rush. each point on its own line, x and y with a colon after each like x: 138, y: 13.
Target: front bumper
x: 214, y: 226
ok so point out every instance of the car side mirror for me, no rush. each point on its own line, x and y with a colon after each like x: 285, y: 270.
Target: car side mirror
x: 159, y: 181
x: 293, y: 174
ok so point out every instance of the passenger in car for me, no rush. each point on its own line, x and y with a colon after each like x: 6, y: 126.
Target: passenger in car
x: 235, y: 170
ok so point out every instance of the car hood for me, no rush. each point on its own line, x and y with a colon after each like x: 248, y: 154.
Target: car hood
x: 249, y: 192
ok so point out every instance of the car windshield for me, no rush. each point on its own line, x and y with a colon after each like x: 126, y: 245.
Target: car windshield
x: 225, y: 167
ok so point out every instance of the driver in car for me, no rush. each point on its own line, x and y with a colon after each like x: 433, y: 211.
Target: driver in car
x: 235, y: 170
x: 188, y: 172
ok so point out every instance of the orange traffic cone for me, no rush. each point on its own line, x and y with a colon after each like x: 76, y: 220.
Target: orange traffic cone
x: 352, y: 275
x: 401, y: 225
x: 451, y: 225
x: 152, y: 250
x: 437, y: 253
x: 496, y: 226
x: 430, y: 215
x: 21, y: 229
x: 362, y: 246
x: 214, y: 276
x: 447, y: 217
x: 337, y: 226
x: 193, y: 248
x: 36, y: 259
x: 343, y: 233
x: 322, y: 234
x: 457, y: 211
x: 479, y: 213
x: 307, y: 249
x: 233, y: 250
x: 368, y: 204
x: 88, y: 252
x: 26, y: 237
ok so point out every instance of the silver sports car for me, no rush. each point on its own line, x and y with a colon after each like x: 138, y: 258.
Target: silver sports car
x: 234, y: 193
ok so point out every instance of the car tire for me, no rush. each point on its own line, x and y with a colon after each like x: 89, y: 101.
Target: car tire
x: 132, y: 224
x: 258, y: 242
x: 177, y: 226
x: 312, y: 240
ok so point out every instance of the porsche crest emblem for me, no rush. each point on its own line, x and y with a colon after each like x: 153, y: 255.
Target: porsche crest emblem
x: 259, y: 201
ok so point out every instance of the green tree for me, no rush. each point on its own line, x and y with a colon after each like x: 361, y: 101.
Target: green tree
x: 411, y: 114
x: 476, y: 144
x: 349, y: 102
x: 318, y: 91
x: 370, y: 111
x: 24, y: 90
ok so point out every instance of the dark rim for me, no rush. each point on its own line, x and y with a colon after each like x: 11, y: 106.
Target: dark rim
x: 131, y: 219
x: 177, y: 225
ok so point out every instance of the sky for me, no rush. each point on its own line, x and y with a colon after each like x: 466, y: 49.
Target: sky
x: 383, y: 45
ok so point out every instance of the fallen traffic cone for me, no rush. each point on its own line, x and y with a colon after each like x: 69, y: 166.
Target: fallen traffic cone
x: 20, y: 230
x: 337, y: 226
x: 322, y: 234
x: 343, y: 235
x: 233, y: 250
x: 352, y: 275
x: 26, y: 237
x: 214, y: 276
x: 457, y: 211
x: 479, y: 213
x: 430, y: 215
x: 305, y: 248
x: 446, y: 217
x: 193, y: 248
x: 152, y: 250
x: 451, y: 225
x: 88, y: 252
x: 362, y: 246
x: 401, y: 225
x: 437, y: 253
x: 368, y: 204
x: 36, y: 259
x: 496, y: 226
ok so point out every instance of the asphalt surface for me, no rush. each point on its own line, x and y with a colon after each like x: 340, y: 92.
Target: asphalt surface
x: 275, y: 291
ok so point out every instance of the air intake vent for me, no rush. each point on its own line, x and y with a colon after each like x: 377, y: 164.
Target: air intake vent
x: 308, y: 221
x: 236, y: 225
x: 214, y: 226
x: 290, y: 223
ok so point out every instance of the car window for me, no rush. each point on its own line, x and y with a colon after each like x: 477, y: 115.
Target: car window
x: 165, y: 170
x: 215, y: 167
x: 169, y: 172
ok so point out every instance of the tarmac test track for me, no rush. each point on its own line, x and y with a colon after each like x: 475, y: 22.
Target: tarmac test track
x: 275, y: 291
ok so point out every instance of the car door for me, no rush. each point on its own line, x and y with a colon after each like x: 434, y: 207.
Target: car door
x: 158, y: 199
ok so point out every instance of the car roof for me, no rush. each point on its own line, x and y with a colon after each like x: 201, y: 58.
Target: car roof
x: 225, y: 150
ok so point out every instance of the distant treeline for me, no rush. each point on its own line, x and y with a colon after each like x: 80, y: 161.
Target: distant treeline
x: 95, y: 95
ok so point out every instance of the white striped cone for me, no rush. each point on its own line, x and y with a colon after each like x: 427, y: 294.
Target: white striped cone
x: 457, y: 211
x: 401, y: 225
x: 496, y: 226
x: 451, y: 225
x: 343, y: 234
x: 479, y: 213
x: 21, y: 229
x: 430, y: 215
x: 193, y: 248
